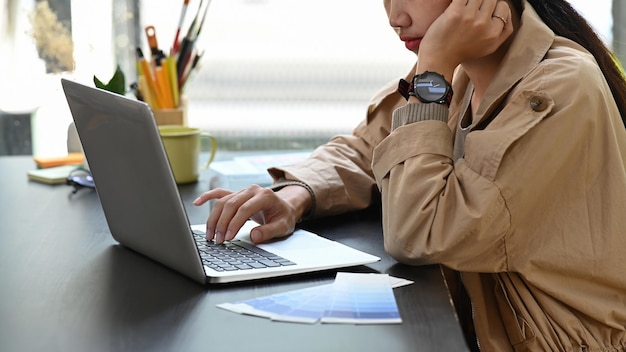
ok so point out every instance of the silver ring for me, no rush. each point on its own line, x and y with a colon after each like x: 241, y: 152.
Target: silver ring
x: 500, y: 18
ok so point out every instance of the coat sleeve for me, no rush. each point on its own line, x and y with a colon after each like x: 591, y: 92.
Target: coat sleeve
x: 479, y: 213
x: 339, y: 172
x: 435, y: 211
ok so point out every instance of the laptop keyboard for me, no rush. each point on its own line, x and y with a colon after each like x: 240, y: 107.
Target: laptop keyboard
x: 236, y: 255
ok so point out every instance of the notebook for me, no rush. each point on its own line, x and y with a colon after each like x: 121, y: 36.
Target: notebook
x: 52, y: 175
x: 142, y: 205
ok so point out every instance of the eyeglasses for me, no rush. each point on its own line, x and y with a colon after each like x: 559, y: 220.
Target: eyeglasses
x: 80, y: 178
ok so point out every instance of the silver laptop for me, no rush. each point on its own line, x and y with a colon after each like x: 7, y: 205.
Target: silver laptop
x: 144, y: 210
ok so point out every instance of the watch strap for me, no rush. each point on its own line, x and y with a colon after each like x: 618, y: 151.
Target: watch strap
x: 405, y: 88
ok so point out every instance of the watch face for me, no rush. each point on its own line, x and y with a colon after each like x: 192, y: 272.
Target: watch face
x: 431, y: 87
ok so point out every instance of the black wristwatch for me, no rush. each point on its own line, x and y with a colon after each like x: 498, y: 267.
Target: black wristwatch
x: 428, y: 87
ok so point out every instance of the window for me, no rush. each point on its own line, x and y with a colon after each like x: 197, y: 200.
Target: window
x: 292, y: 73
x: 285, y: 73
x: 274, y: 74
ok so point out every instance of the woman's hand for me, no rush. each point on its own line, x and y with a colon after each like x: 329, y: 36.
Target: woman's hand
x: 276, y: 212
x: 467, y: 30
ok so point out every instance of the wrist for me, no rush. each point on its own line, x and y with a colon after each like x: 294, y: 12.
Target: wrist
x: 446, y: 74
x: 413, y: 100
x: 443, y: 69
x: 298, y: 195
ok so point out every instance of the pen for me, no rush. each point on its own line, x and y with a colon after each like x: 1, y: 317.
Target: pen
x: 206, y: 8
x: 183, y: 54
x: 187, y: 44
x: 188, y: 71
x: 180, y: 24
x: 190, y: 64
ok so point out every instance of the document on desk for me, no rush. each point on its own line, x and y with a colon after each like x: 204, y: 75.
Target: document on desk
x: 351, y: 299
x: 243, y: 171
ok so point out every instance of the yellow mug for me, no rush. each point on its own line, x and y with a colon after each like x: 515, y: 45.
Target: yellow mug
x: 182, y: 145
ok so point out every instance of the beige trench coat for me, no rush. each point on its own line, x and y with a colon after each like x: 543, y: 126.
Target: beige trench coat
x: 533, y: 215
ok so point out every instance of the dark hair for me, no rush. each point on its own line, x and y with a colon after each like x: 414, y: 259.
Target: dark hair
x: 566, y: 22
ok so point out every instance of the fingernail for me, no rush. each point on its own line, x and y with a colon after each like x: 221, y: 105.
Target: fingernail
x: 197, y: 200
x: 219, y: 238
x: 255, y: 236
x: 229, y: 235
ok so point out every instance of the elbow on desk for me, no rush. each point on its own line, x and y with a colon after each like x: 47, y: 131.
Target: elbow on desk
x: 407, y: 253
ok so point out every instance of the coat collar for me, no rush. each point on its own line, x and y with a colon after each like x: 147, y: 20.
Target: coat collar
x: 528, y: 48
x: 521, y: 58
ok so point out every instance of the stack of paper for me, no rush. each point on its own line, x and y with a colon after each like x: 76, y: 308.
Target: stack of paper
x: 242, y: 172
x: 351, y: 299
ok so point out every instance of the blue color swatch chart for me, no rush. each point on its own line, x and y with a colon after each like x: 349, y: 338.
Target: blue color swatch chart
x: 350, y: 299
x: 361, y: 299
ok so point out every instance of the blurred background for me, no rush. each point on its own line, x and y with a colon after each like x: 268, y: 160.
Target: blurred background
x: 274, y: 74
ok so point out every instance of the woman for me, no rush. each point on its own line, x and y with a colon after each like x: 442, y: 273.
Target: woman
x: 513, y: 179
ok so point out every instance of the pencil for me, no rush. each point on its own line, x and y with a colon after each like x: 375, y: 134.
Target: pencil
x: 145, y: 92
x: 146, y: 71
x: 163, y: 83
x: 170, y: 65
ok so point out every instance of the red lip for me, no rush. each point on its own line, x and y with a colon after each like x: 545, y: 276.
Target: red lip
x: 411, y: 43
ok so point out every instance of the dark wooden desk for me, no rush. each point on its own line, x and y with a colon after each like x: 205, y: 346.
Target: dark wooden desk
x: 67, y: 286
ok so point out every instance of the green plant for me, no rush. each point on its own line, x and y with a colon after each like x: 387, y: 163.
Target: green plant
x: 117, y: 83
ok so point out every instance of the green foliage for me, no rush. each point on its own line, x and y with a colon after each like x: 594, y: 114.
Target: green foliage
x: 117, y: 84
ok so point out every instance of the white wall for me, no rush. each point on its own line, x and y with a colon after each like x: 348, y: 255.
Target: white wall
x: 598, y: 13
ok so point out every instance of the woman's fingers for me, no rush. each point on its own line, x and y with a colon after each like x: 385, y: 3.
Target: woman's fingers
x: 502, y: 13
x: 280, y: 227
x: 212, y: 194
x: 231, y: 210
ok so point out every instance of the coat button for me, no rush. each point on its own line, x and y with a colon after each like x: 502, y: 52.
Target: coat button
x: 538, y: 104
